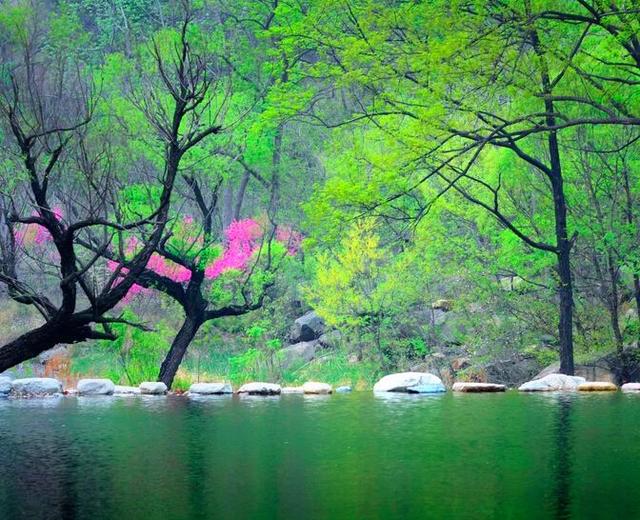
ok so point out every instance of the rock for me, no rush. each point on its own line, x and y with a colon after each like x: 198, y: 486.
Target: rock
x: 330, y: 339
x: 210, y: 388
x: 552, y: 383
x: 343, y: 390
x: 153, y: 388
x: 478, y: 387
x: 260, y: 389
x: 411, y: 382
x: 307, y: 328
x: 353, y: 359
x: 95, y: 387
x: 630, y: 387
x: 36, y: 386
x: 597, y: 386
x: 442, y: 305
x: 512, y: 371
x: 126, y: 390
x: 292, y: 390
x: 313, y: 387
x: 298, y: 354
x: 5, y: 385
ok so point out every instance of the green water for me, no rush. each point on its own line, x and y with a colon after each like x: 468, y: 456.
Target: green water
x: 344, y: 456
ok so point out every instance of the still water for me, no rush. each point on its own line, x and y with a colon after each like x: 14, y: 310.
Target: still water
x: 339, y: 457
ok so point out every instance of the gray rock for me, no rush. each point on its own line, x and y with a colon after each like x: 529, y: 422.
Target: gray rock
x: 95, y: 387
x: 299, y: 353
x: 343, y: 390
x: 553, y: 383
x: 313, y: 387
x: 260, y: 388
x: 307, y: 328
x: 512, y: 371
x: 153, y: 388
x: 126, y: 390
x: 410, y: 382
x: 36, y: 386
x: 210, y: 389
x: 5, y: 385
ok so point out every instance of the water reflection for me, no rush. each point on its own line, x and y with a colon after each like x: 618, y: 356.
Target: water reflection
x: 563, y: 441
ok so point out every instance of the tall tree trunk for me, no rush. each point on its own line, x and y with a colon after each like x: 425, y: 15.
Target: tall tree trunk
x: 565, y: 290
x: 176, y: 353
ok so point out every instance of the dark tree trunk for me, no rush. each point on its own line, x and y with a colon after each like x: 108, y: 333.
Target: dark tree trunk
x: 176, y: 353
x: 565, y: 289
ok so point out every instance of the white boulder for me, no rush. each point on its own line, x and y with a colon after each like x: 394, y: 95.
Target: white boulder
x: 630, y: 387
x: 553, y: 383
x: 36, y: 386
x: 260, y: 388
x: 313, y: 387
x: 210, y: 389
x: 153, y: 388
x: 410, y: 382
x: 95, y: 387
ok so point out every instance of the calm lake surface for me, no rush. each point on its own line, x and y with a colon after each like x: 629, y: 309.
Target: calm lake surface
x: 344, y: 456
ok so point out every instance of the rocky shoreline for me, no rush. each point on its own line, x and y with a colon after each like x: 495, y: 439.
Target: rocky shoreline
x: 404, y: 382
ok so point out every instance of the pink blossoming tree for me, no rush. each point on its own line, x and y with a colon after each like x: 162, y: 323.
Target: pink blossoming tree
x: 209, y: 279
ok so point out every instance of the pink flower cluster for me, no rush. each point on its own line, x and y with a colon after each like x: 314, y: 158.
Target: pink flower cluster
x: 242, y: 239
x: 241, y: 243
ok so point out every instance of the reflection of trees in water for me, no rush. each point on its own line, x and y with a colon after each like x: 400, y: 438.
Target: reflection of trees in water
x: 563, y: 453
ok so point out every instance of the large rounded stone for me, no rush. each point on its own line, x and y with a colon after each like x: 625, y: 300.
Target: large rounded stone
x: 597, y: 386
x: 153, y: 388
x: 260, y: 388
x: 345, y: 389
x: 307, y: 328
x: 478, y: 387
x: 210, y: 389
x: 553, y: 383
x: 36, y: 386
x: 410, y: 382
x: 630, y: 387
x: 313, y: 387
x: 298, y: 354
x: 95, y: 387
